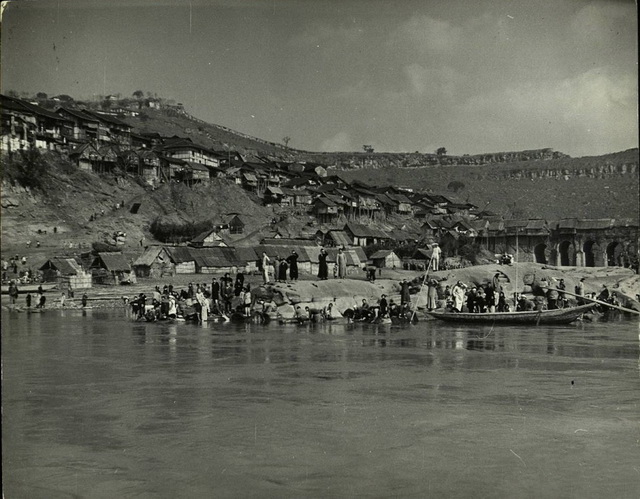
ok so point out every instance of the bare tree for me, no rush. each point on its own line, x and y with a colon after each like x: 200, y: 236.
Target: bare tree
x: 367, y: 148
x: 441, y: 151
x: 285, y: 140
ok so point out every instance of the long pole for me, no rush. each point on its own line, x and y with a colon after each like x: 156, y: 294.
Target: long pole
x: 600, y: 302
x: 515, y: 285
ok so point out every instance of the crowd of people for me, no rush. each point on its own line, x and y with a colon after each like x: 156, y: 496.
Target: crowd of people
x: 275, y: 269
x: 221, y: 299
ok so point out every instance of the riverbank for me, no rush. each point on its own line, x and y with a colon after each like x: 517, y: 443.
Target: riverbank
x: 349, y: 292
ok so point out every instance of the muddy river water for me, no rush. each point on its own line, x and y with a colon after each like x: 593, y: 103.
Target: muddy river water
x: 95, y: 405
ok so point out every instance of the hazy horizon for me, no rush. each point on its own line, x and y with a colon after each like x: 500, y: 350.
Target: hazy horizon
x: 492, y: 76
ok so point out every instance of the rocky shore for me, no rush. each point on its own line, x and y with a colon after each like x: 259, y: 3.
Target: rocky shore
x: 349, y: 293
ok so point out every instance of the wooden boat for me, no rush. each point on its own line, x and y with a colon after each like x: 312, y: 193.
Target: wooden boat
x: 558, y: 316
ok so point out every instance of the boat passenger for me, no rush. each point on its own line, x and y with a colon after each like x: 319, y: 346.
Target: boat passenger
x: 503, y: 306
x: 579, y: 289
x: 457, y: 294
x: 471, y: 300
x: 604, y: 294
x: 561, y: 296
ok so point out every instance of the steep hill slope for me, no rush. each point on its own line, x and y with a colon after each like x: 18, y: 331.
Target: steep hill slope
x: 592, y: 187
x: 74, y: 209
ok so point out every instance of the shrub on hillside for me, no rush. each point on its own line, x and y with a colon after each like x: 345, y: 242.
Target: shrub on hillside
x: 26, y: 168
x: 100, y: 247
x: 177, y: 232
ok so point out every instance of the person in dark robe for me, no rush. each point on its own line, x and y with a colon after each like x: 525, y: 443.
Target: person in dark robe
x: 292, y: 260
x: 323, y: 270
x: 237, y: 288
x: 282, y: 270
x: 405, y: 296
x: 471, y: 300
x: 215, y: 292
x: 383, y: 307
x: 503, y: 306
x: 29, y: 300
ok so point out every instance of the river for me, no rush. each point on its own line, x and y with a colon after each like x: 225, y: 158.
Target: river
x: 97, y: 406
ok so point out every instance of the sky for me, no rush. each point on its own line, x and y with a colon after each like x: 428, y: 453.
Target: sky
x: 473, y: 76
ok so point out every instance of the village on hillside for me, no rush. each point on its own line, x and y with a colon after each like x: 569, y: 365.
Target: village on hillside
x: 344, y: 214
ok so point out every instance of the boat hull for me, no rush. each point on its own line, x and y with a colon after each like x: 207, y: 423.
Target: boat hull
x: 559, y: 316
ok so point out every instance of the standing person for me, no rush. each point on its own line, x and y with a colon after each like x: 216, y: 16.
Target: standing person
x: 13, y: 294
x: 579, y: 289
x: 246, y: 300
x: 561, y: 296
x: 28, y: 299
x: 282, y: 270
x: 172, y: 312
x: 323, y: 270
x: 227, y: 296
x: 471, y: 300
x: 266, y: 262
x: 42, y: 300
x: 491, y: 298
x: 432, y: 294
x: 383, y: 306
x: 502, y: 303
x: 215, y: 293
x: 84, y: 300
x: 341, y: 262
x: 239, y: 285
x: 62, y: 298
x: 292, y: 260
x: 405, y: 295
x: 435, y: 256
x: 203, y: 305
x: 552, y: 295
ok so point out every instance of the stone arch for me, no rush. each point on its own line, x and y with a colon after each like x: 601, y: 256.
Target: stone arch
x: 589, y: 256
x: 539, y: 252
x: 613, y: 252
x: 567, y: 254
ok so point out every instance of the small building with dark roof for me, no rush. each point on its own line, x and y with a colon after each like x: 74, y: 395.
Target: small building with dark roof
x: 111, y: 268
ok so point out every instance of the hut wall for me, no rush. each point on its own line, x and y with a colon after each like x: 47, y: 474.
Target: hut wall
x: 80, y: 281
x: 216, y: 270
x: 186, y: 268
x: 142, y: 270
x: 305, y: 267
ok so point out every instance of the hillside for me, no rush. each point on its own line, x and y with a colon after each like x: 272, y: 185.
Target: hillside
x: 70, y: 199
x: 526, y: 184
x: 591, y: 187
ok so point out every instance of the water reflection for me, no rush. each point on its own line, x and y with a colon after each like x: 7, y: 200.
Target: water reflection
x: 180, y: 410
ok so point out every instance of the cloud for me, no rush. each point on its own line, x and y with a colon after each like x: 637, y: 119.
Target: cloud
x: 428, y: 35
x: 585, y: 114
x: 597, y: 22
x: 338, y: 143
x: 326, y: 35
x: 438, y: 81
